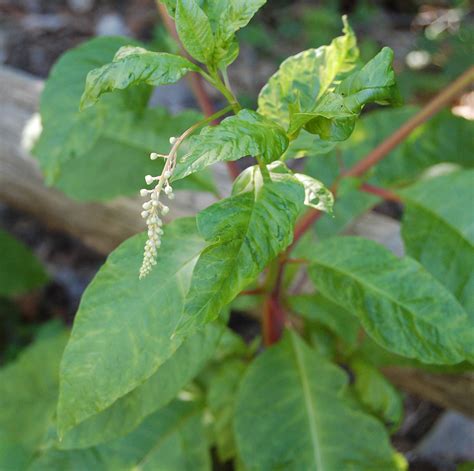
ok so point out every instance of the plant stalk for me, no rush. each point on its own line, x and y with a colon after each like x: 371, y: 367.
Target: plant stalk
x: 380, y: 152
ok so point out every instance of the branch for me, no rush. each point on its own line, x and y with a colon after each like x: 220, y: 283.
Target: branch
x: 382, y: 150
x: 195, y: 81
x: 385, y: 194
x: 359, y: 169
x: 434, y: 106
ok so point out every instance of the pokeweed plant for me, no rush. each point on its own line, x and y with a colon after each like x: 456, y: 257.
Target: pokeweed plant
x: 151, y: 376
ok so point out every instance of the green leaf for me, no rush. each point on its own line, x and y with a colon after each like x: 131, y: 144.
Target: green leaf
x: 225, y: 18
x: 438, y: 231
x: 303, y: 78
x: 103, y: 151
x: 171, y: 439
x: 194, y: 30
x: 334, y: 115
x: 28, y: 395
x: 221, y: 396
x: 308, y: 145
x: 127, y: 412
x: 133, y: 66
x: 317, y: 196
x: 123, y: 331
x: 245, y: 232
x: 229, y: 17
x: 235, y: 137
x: 322, y: 310
x: 377, y: 394
x: 20, y: 271
x: 399, y: 303
x: 291, y: 414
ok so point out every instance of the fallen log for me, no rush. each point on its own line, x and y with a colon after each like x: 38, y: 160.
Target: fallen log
x: 102, y: 226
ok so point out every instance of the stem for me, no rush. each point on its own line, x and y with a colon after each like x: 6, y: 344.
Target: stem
x: 380, y: 152
x: 382, y: 192
x: 194, y: 80
x: 263, y: 170
x: 252, y: 292
x: 435, y: 105
x: 226, y: 92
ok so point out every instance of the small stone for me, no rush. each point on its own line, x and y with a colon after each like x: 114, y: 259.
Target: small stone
x: 111, y: 24
x: 80, y: 6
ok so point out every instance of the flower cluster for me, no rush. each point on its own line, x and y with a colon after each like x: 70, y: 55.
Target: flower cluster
x: 153, y: 209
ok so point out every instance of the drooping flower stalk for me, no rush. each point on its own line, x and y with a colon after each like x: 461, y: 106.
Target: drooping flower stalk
x: 153, y: 209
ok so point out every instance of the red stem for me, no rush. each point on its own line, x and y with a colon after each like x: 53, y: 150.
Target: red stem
x: 359, y: 169
x: 387, y: 195
x: 434, y: 106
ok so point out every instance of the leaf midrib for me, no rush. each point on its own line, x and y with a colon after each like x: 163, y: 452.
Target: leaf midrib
x: 173, y: 429
x: 309, y: 406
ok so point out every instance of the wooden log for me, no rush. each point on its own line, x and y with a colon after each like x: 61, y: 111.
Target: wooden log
x: 103, y: 226
x: 100, y: 226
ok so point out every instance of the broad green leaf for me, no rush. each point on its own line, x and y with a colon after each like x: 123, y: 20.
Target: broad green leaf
x: 13, y: 455
x: 123, y: 331
x: 245, y: 232
x: 28, y: 396
x: 322, y: 310
x: 377, y: 394
x: 103, y: 151
x: 221, y: 395
x: 400, y: 304
x: 171, y: 439
x: 163, y: 386
x: 247, y: 133
x: 291, y: 414
x: 303, y: 78
x: 133, y: 66
x: 334, y: 115
x: 438, y: 231
x: 20, y: 271
x: 194, y: 30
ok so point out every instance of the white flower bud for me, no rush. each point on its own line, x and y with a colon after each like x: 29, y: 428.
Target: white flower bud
x: 144, y: 192
x: 146, y: 205
x: 144, y: 214
x: 165, y: 210
x: 173, y: 140
x: 149, y: 179
x: 168, y: 190
x: 154, y: 156
x: 171, y: 196
x: 167, y: 174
